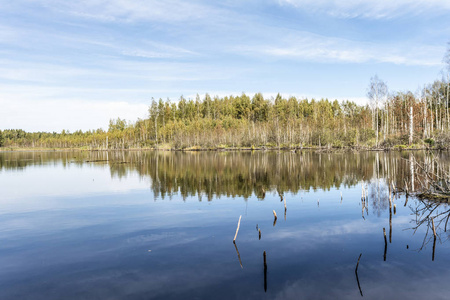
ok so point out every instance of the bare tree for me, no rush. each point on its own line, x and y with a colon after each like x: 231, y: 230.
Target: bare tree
x: 447, y: 62
x: 446, y: 58
x: 377, y: 92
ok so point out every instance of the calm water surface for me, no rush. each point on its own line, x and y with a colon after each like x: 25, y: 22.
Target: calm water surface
x: 160, y: 225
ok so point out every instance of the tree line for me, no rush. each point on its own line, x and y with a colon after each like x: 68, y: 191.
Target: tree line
x: 232, y: 121
x: 389, y: 119
x: 244, y: 121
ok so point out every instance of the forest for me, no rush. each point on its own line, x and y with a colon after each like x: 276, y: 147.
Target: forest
x: 389, y: 120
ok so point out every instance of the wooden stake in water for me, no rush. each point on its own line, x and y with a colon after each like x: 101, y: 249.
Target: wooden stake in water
x: 259, y: 233
x: 434, y: 241
x: 237, y: 229
x: 356, y: 273
x: 265, y: 272
x: 434, y: 248
x: 434, y: 228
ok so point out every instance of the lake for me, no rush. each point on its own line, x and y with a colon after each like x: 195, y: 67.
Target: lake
x: 160, y: 225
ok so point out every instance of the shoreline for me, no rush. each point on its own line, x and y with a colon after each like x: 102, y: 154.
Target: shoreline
x: 230, y: 149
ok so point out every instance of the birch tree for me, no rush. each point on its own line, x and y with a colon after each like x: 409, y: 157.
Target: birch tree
x: 377, y: 92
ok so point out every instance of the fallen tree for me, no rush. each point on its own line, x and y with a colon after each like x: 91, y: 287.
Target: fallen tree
x: 434, y: 179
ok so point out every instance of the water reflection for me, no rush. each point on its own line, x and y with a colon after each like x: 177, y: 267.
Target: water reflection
x: 240, y: 174
x: 311, y: 255
x: 434, y: 216
x: 239, y: 256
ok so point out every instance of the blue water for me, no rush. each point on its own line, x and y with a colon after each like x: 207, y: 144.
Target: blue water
x: 77, y: 231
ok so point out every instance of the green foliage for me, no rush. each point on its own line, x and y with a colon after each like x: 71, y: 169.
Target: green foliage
x: 244, y: 121
x: 430, y: 142
x: 366, y: 134
x: 350, y: 138
x: 400, y: 147
x: 414, y: 146
x: 114, y: 125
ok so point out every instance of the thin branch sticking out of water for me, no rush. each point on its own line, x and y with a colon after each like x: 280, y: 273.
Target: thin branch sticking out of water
x: 356, y: 273
x: 237, y: 229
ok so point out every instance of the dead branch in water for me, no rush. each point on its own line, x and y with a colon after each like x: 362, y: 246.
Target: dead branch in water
x: 265, y: 272
x: 434, y: 228
x: 237, y: 229
x: 433, y: 215
x: 436, y: 177
x: 356, y: 273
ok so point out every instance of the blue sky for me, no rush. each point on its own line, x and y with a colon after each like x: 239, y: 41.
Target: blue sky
x: 76, y: 64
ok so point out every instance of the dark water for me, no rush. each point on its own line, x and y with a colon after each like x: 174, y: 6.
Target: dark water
x: 149, y: 225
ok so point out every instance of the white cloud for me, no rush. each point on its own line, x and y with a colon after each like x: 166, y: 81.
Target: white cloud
x: 336, y: 229
x: 370, y: 9
x: 113, y: 73
x: 318, y: 48
x: 54, y: 115
x: 136, y: 10
x: 63, y: 51
x: 18, y: 200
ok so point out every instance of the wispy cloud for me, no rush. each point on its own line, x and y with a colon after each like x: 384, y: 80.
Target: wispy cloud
x: 105, y: 51
x: 124, y: 73
x: 318, y: 48
x: 370, y: 9
x: 130, y: 11
x: 151, y: 49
